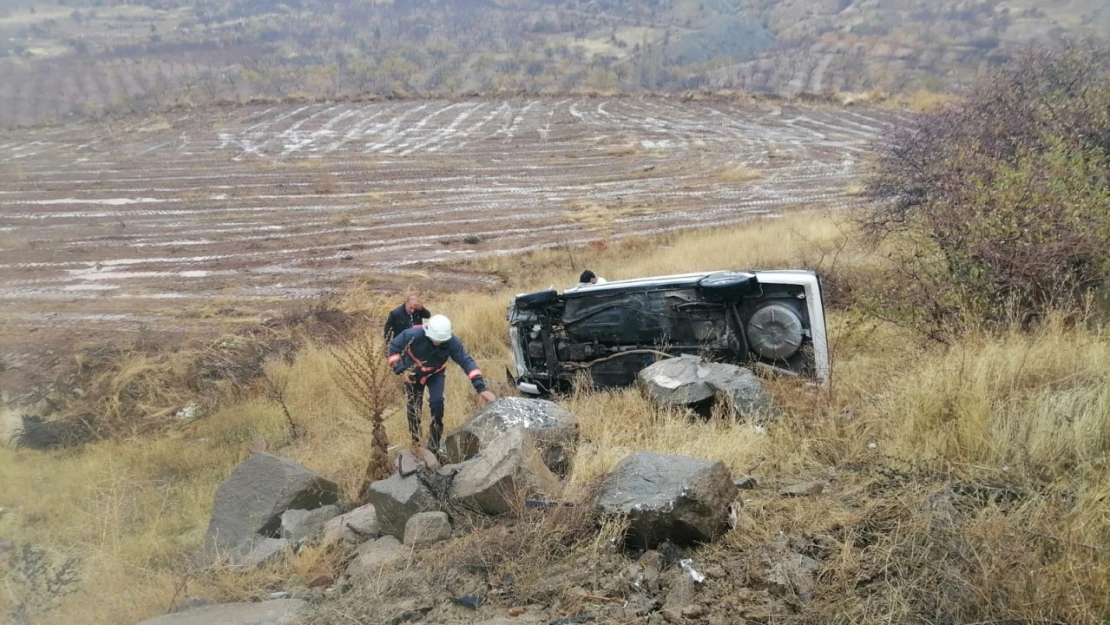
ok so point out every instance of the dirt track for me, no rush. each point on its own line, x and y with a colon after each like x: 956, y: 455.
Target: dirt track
x: 149, y: 220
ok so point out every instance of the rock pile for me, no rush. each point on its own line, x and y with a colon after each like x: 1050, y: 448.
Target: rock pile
x: 513, y: 451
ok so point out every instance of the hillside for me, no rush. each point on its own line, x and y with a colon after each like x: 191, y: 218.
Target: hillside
x: 958, y: 484
x: 74, y: 58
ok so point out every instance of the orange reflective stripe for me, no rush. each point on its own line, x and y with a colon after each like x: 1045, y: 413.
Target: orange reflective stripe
x: 473, y: 374
x: 394, y: 358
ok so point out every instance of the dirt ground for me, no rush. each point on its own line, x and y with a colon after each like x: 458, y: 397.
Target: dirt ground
x: 201, y: 221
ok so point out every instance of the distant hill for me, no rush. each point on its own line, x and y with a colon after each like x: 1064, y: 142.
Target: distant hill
x: 73, y: 58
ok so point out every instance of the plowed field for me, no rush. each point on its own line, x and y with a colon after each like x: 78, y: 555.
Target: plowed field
x: 157, y: 219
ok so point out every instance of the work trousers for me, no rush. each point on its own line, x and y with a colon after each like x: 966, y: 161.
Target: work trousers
x: 415, y: 395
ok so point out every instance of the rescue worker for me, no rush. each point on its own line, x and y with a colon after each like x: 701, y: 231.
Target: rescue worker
x: 420, y: 355
x: 411, y: 314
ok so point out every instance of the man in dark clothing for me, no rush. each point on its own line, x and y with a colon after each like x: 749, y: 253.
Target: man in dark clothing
x: 411, y: 314
x: 421, y: 355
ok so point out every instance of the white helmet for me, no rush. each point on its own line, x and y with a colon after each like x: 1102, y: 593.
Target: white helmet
x: 438, y: 328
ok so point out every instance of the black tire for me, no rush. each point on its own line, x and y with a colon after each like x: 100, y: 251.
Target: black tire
x: 537, y: 299
x: 727, y: 285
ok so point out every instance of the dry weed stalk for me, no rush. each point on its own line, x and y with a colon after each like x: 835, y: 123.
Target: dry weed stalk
x: 276, y: 390
x: 362, y: 373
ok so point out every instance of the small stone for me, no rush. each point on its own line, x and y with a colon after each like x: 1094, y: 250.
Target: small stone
x: 375, y: 554
x: 693, y: 611
x: 258, y: 552
x: 815, y: 487
x: 396, y: 499
x: 680, y: 594
x: 321, y: 580
x: 715, y: 571
x: 427, y: 528
x: 517, y: 611
x: 352, y: 529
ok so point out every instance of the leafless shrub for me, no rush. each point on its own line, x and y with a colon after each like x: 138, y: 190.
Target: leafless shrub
x: 276, y: 385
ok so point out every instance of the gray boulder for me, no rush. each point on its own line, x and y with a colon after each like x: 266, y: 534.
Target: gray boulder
x: 250, y: 502
x: 396, y: 499
x: 553, y: 430
x: 508, y: 470
x: 375, y: 554
x: 258, y: 552
x: 690, y: 382
x: 278, y: 612
x: 676, y: 498
x: 300, y: 525
x: 353, y: 528
x: 427, y: 528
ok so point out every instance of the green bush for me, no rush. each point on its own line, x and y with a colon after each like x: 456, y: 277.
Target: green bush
x: 996, y: 209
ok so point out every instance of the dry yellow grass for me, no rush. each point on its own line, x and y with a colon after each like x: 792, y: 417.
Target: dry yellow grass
x: 1032, y: 409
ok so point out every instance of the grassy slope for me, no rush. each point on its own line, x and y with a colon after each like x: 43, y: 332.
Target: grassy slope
x: 1031, y: 412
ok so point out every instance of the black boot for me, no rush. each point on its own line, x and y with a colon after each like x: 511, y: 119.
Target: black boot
x: 435, y: 430
x: 415, y: 396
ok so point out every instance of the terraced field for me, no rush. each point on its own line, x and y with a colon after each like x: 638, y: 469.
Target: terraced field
x: 159, y: 219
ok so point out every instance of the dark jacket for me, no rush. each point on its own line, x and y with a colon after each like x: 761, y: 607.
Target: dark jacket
x: 412, y: 350
x: 400, y: 320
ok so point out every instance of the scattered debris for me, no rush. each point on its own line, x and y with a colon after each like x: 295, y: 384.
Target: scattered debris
x: 470, y: 601
x: 189, y: 413
x: 676, y: 498
x: 688, y: 565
